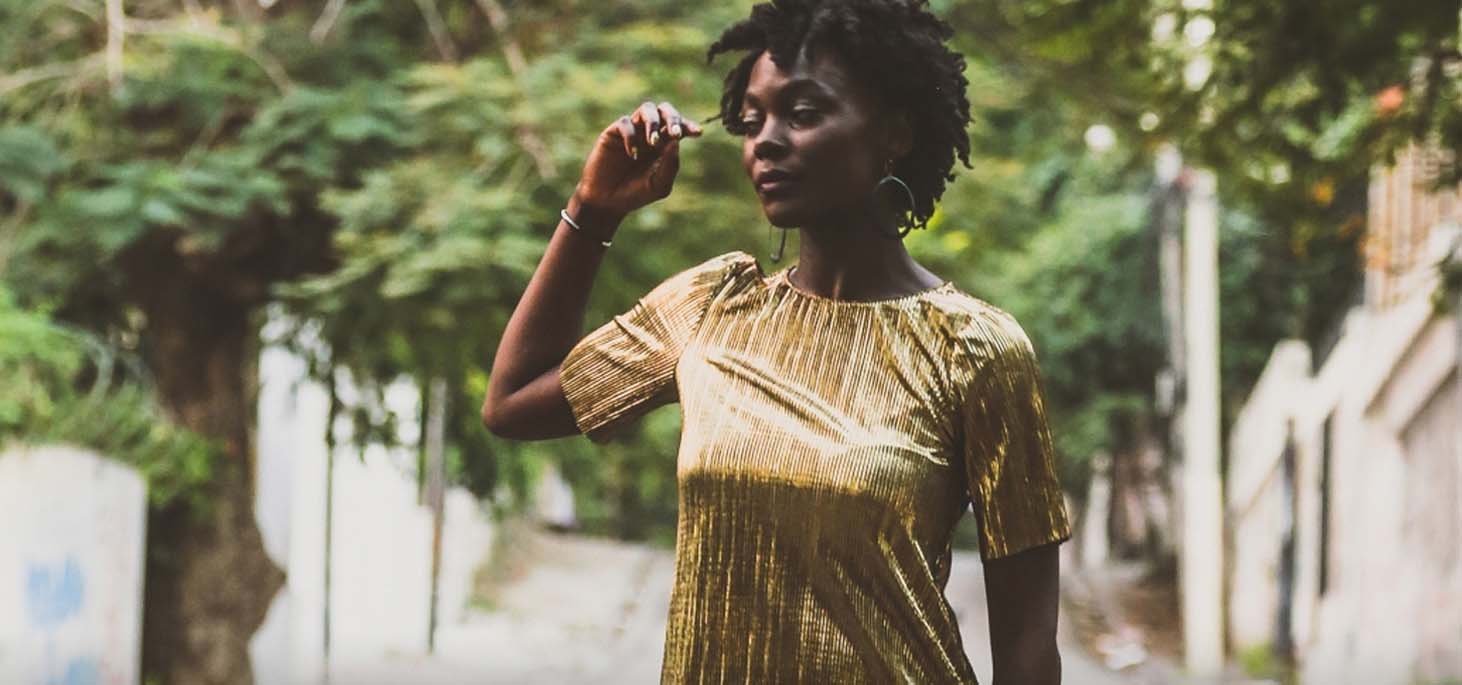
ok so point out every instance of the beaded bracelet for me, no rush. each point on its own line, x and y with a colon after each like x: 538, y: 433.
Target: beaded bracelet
x: 565, y: 214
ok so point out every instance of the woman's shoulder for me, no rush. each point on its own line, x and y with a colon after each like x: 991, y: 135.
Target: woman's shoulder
x: 727, y: 259
x: 711, y: 272
x: 978, y: 330
x: 721, y: 266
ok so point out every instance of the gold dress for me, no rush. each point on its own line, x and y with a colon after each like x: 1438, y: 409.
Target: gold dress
x: 828, y: 449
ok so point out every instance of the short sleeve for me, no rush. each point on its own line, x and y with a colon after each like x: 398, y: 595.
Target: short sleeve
x: 1007, y: 452
x: 626, y: 367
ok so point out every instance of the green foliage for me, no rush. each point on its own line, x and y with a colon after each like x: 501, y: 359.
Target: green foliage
x: 1083, y: 285
x: 395, y: 202
x: 1296, y: 107
x: 35, y: 356
x: 436, y: 243
x: 314, y: 138
x: 1449, y: 294
x: 1295, y: 93
x: 29, y: 159
x: 44, y: 402
x: 1261, y: 661
x: 628, y: 486
x: 128, y: 200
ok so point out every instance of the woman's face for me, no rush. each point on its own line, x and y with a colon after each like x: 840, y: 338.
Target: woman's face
x: 817, y: 129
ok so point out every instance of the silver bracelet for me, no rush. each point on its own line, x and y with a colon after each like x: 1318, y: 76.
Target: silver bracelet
x: 565, y: 214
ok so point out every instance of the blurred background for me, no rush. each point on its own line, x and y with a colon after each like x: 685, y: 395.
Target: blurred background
x: 255, y: 256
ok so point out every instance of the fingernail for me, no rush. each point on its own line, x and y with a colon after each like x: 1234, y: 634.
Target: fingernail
x: 634, y: 153
x: 654, y: 137
x: 675, y: 130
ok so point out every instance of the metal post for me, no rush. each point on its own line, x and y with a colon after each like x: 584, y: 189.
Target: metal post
x: 436, y: 494
x: 330, y: 417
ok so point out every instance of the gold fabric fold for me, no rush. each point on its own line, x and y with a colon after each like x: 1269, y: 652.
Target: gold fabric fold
x: 829, y: 447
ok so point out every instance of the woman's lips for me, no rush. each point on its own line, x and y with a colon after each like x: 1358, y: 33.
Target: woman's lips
x: 775, y: 186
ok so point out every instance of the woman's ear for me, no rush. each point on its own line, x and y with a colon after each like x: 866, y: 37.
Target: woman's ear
x: 899, y: 134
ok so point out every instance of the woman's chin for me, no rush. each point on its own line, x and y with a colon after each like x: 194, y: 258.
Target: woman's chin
x: 782, y: 214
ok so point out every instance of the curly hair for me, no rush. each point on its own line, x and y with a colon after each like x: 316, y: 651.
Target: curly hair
x: 896, y: 47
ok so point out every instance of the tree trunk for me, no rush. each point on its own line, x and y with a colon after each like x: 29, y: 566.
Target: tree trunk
x: 1140, y: 502
x: 209, y: 580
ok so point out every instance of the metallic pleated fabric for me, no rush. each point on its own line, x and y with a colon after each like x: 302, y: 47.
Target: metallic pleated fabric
x: 829, y: 448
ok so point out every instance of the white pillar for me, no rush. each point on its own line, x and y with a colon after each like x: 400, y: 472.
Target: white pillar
x: 1202, y: 552
x: 1094, y: 539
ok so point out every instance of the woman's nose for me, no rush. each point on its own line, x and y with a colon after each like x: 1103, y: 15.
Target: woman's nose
x: 770, y: 141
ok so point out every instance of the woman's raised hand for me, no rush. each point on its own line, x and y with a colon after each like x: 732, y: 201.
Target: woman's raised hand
x: 635, y: 160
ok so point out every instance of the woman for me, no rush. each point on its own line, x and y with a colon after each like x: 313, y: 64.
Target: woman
x: 840, y: 415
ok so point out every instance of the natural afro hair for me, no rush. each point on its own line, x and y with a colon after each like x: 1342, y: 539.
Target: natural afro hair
x: 895, y: 47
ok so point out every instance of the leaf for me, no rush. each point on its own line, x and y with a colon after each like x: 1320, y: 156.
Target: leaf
x: 159, y: 212
x: 29, y: 161
x: 106, y: 203
x: 357, y: 127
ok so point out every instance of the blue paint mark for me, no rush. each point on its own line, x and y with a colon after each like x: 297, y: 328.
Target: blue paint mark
x: 54, y: 593
x: 81, y: 671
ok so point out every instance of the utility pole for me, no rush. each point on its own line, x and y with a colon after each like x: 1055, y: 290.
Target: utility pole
x: 1167, y: 208
x: 1202, y: 547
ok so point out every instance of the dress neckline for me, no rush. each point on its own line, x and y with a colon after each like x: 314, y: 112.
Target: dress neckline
x: 782, y: 278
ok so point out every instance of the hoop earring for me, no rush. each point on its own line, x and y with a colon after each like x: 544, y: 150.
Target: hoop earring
x: 906, y: 222
x: 777, y: 254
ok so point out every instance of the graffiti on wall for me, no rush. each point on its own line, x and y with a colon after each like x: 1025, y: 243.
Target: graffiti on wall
x: 72, y: 530
x: 54, y: 594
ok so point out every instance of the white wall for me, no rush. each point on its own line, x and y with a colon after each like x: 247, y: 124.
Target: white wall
x: 1254, y: 494
x: 72, y: 533
x: 1392, y: 608
x: 381, y: 547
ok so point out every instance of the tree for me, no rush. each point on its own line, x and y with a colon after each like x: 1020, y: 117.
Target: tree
x: 387, y: 171
x: 184, y: 183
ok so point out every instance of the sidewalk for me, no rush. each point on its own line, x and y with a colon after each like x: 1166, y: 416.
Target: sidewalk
x: 1127, y: 619
x: 571, y: 610
x: 966, y: 593
x: 585, y: 610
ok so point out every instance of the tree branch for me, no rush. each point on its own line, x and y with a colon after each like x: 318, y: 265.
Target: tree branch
x: 438, y: 29
x: 10, y: 233
x: 270, y: 66
x: 528, y: 138
x: 321, y: 30
x: 116, y: 35
x: 497, y: 18
x: 24, y: 77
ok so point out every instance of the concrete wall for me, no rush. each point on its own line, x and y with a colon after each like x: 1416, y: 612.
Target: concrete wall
x: 72, y: 534
x: 1255, y: 499
x: 1387, y: 543
x: 380, y: 589
x: 1432, y: 527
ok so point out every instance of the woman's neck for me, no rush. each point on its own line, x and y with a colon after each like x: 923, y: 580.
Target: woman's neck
x: 853, y: 261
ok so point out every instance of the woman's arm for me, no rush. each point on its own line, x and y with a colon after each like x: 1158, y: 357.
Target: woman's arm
x: 524, y: 398
x: 633, y: 163
x: 1023, y: 593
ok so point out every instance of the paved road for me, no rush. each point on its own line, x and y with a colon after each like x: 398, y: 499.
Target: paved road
x: 593, y: 612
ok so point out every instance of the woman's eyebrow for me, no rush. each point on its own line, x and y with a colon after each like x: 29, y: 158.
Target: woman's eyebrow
x: 789, y: 88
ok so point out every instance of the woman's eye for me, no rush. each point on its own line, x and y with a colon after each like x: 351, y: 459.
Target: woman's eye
x: 804, y: 116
